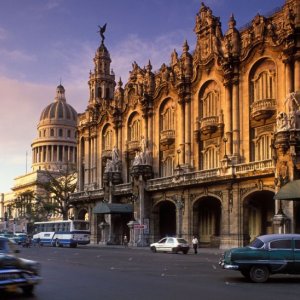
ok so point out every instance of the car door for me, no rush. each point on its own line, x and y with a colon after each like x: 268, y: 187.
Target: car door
x: 161, y: 245
x: 296, y: 256
x: 170, y: 244
x: 281, y: 255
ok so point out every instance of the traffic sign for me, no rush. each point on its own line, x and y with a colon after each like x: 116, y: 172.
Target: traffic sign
x: 139, y: 226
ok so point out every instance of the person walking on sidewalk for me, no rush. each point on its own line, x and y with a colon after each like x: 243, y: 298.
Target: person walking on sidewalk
x: 195, y: 244
x: 125, y: 241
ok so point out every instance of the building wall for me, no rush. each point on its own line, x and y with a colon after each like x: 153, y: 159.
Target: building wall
x: 198, y: 140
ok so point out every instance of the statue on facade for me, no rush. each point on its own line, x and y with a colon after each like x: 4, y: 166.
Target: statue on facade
x: 115, y: 155
x: 282, y: 122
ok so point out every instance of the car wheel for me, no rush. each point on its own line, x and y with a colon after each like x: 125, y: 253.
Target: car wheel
x: 153, y: 249
x: 28, y: 290
x: 185, y: 251
x: 259, y: 274
x: 57, y: 243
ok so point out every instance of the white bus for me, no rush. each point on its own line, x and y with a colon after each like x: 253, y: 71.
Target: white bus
x: 62, y: 233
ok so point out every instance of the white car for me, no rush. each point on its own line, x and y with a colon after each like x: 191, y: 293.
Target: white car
x: 171, y: 244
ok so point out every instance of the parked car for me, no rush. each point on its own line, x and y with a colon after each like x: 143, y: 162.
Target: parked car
x: 171, y: 244
x: 264, y: 256
x: 20, y: 237
x: 17, y: 272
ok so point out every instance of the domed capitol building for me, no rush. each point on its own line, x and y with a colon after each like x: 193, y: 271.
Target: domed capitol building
x: 208, y: 145
x: 55, y: 148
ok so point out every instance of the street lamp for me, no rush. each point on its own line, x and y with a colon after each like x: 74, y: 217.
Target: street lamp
x: 178, y: 153
x: 225, y: 140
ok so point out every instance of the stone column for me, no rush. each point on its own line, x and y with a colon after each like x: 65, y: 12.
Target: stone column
x: 288, y: 78
x: 187, y: 129
x: 86, y: 160
x: 181, y: 132
x: 297, y: 74
x: 150, y: 132
x: 235, y: 120
x: 228, y: 118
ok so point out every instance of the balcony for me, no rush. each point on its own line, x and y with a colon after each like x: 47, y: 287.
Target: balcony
x: 209, y: 125
x: 263, y: 109
x: 106, y: 153
x: 133, y: 146
x: 167, y: 137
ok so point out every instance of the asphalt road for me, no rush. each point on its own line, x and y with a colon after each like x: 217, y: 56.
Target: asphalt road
x: 123, y: 273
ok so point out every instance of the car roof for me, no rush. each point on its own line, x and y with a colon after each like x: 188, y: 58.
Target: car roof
x: 270, y: 237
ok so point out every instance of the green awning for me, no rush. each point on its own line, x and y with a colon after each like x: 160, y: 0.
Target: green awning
x: 290, y: 191
x: 112, y: 208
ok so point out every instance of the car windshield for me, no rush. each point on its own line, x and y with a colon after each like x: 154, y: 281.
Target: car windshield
x: 182, y: 241
x: 256, y: 243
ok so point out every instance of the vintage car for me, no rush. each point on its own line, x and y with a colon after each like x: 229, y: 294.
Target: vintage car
x: 17, y: 272
x: 264, y: 256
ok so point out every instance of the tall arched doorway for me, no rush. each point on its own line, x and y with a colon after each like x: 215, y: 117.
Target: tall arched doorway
x: 259, y: 210
x: 167, y: 219
x: 206, y: 221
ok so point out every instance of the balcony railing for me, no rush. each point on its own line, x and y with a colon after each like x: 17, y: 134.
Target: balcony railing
x: 209, y: 125
x: 257, y: 165
x: 190, y: 178
x: 133, y: 145
x: 167, y: 137
x: 263, y: 109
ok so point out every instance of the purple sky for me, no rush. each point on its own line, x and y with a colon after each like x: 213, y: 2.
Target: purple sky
x: 43, y: 41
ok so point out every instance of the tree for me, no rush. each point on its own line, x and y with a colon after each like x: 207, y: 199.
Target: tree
x: 58, y: 186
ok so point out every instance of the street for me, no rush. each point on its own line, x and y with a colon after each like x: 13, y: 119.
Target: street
x: 124, y: 273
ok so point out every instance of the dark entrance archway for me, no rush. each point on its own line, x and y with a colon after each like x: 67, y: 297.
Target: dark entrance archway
x: 207, y: 220
x: 167, y: 219
x: 259, y: 210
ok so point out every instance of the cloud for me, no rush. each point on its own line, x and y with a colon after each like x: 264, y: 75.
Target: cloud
x: 16, y: 55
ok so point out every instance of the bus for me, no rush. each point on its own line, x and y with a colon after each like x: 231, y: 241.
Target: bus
x: 62, y: 233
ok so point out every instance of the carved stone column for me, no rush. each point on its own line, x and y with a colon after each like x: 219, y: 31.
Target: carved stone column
x: 289, y: 86
x: 187, y: 129
x: 297, y: 74
x: 228, y: 118
x: 181, y: 133
x: 235, y: 120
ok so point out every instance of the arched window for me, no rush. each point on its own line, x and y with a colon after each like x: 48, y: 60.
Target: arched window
x: 135, y: 130
x: 263, y: 85
x: 51, y: 132
x: 60, y: 132
x: 168, y: 119
x: 263, y: 147
x: 168, y: 167
x: 108, y: 140
x: 211, y: 158
x: 210, y: 103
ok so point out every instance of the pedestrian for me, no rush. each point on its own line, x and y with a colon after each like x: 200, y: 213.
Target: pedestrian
x: 125, y: 241
x: 195, y: 244
x: 38, y: 242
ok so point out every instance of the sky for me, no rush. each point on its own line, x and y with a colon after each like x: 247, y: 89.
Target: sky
x: 45, y: 42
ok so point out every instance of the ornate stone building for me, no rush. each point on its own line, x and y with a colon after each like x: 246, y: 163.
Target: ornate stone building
x: 54, y: 148
x: 201, y: 146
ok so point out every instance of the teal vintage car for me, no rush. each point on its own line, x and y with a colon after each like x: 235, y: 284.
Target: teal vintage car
x: 264, y: 256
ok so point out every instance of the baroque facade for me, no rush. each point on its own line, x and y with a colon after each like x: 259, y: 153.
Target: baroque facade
x: 201, y: 146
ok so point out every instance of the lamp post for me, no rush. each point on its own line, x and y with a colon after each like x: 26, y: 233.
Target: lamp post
x: 178, y: 153
x: 225, y: 140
